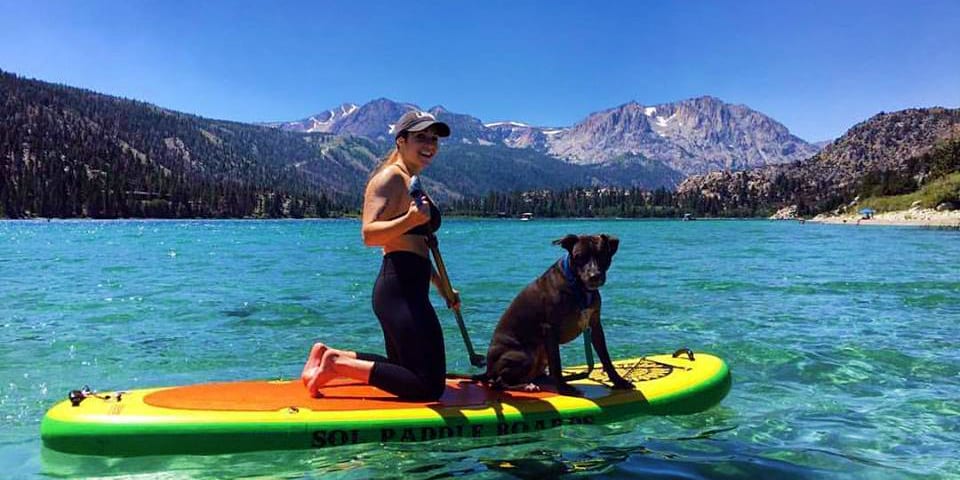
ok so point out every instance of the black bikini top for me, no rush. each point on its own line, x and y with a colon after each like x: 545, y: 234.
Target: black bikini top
x: 427, y: 228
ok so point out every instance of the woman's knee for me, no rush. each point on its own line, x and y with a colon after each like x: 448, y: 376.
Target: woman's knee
x: 430, y: 390
x: 437, y: 389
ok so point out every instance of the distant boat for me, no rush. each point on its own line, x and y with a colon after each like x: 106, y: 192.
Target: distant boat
x: 688, y: 217
x: 526, y: 217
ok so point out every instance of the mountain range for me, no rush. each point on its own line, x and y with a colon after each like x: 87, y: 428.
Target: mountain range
x: 72, y: 152
x: 692, y: 136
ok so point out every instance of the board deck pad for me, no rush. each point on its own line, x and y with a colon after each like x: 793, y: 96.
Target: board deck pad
x: 241, y: 416
x: 339, y: 395
x: 343, y: 394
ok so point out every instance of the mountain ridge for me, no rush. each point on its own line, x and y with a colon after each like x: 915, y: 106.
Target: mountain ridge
x: 692, y: 136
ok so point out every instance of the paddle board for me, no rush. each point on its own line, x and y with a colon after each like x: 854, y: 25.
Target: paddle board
x: 215, y: 418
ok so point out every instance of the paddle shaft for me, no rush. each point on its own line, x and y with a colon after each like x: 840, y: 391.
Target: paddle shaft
x: 416, y: 192
x: 447, y: 290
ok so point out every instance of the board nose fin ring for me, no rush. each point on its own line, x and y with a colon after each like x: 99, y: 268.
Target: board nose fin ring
x: 78, y: 396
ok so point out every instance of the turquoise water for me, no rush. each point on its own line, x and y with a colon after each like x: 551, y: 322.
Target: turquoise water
x: 841, y: 339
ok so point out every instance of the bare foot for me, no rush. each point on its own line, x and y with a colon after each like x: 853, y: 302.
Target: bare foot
x: 313, y: 362
x: 325, y: 372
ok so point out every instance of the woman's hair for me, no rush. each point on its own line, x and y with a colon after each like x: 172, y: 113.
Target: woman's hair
x: 389, y: 159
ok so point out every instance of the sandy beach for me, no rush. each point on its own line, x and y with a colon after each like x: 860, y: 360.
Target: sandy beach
x: 915, y: 217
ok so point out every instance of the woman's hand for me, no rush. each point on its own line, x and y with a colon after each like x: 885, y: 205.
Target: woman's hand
x: 419, y: 211
x: 454, y: 303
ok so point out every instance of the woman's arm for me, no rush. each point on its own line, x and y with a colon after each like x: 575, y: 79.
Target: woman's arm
x: 452, y: 297
x: 435, y: 279
x: 386, y: 187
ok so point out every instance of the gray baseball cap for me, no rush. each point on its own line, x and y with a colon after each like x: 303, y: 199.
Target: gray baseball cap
x: 417, y: 121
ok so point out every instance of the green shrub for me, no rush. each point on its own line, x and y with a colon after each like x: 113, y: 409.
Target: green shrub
x: 944, y: 189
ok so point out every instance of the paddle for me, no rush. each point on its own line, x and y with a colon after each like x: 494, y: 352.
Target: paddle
x: 479, y: 361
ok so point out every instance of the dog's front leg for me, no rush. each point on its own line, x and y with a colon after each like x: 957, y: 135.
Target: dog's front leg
x: 600, y: 346
x: 552, y: 345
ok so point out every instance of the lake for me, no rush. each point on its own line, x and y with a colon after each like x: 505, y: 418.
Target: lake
x: 842, y: 340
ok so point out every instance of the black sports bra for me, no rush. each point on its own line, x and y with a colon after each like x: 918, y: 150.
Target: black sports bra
x: 427, y: 228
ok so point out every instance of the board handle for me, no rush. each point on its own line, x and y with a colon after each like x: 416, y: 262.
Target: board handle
x: 683, y: 350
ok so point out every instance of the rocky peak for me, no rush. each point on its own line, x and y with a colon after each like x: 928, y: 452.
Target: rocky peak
x: 887, y: 142
x: 373, y: 120
x: 887, y: 139
x: 519, y: 135
x: 321, y: 122
x: 693, y: 136
x: 465, y: 128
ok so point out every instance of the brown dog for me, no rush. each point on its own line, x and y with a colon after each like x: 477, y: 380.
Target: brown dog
x: 552, y: 310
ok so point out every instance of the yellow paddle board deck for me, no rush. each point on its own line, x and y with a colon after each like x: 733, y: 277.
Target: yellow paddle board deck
x: 215, y: 418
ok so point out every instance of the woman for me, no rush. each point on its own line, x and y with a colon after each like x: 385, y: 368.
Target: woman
x: 415, y: 366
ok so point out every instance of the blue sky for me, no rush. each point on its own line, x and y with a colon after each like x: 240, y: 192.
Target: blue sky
x: 818, y: 67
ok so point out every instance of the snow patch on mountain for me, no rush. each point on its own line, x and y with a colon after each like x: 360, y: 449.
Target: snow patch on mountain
x: 506, y: 124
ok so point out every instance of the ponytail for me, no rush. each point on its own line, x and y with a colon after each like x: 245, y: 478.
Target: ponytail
x: 392, y: 157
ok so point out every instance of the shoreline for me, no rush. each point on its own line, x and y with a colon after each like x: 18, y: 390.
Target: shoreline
x: 924, y: 218
x: 914, y: 217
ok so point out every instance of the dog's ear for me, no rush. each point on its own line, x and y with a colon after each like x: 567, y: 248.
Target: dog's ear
x: 612, y: 243
x: 567, y: 242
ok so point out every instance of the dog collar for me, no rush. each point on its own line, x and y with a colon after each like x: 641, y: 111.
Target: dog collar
x: 584, y: 296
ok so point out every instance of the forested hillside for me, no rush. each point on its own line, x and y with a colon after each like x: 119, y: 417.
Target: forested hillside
x: 67, y: 152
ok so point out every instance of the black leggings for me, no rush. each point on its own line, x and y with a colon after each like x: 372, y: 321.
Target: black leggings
x: 415, y: 367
